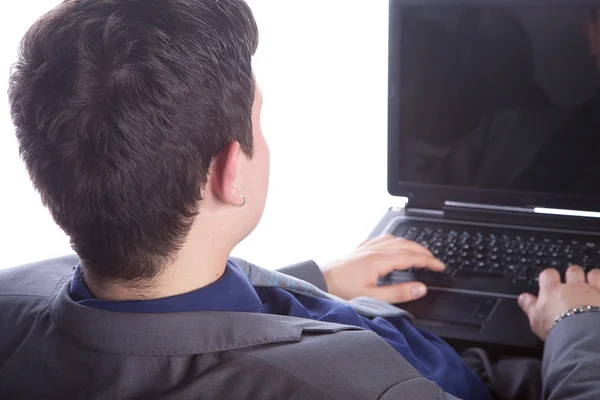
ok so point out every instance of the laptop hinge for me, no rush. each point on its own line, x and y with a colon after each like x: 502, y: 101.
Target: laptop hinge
x: 457, y: 210
x: 506, y: 215
x: 491, y: 213
x: 423, y: 212
x: 453, y: 207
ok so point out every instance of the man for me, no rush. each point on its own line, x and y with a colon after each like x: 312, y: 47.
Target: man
x: 139, y: 123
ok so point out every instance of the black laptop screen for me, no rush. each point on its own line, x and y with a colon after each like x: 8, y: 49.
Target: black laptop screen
x: 499, y: 98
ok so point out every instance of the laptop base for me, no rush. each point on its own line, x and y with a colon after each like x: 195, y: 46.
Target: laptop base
x: 471, y: 316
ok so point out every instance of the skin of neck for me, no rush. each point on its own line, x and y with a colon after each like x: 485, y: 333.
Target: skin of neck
x: 201, y: 261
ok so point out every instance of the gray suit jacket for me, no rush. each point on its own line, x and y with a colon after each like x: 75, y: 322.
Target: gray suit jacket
x: 571, y: 362
x: 53, y: 348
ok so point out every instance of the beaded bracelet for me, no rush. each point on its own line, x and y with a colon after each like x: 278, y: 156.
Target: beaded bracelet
x: 573, y: 311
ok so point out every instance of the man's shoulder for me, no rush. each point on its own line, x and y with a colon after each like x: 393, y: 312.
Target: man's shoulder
x: 25, y: 293
x: 39, y: 279
x: 347, y: 364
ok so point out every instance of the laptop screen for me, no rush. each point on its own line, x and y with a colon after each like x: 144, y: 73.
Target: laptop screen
x: 503, y: 99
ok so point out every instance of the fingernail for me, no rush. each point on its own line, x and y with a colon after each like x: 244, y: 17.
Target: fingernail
x: 419, y: 291
x: 440, y: 264
x: 523, y: 300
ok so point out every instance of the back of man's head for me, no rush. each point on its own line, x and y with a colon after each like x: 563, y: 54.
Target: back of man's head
x: 120, y: 106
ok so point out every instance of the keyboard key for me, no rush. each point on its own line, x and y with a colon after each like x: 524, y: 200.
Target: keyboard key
x: 467, y: 266
x: 471, y: 274
x: 535, y: 280
x: 521, y: 279
x: 471, y: 253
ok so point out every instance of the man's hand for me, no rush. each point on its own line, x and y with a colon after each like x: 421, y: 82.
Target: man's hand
x: 358, y: 273
x: 556, y: 298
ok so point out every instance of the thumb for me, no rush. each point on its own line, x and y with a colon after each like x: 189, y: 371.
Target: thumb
x: 527, y: 303
x: 399, y: 293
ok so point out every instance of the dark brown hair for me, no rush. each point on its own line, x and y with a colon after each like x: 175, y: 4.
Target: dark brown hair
x: 120, y: 106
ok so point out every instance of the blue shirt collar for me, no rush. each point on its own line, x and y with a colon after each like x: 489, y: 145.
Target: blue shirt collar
x: 231, y: 292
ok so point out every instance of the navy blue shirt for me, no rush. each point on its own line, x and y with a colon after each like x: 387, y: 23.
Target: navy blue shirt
x: 431, y: 356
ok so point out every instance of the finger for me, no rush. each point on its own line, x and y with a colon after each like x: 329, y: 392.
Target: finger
x: 402, y: 250
x: 386, y: 262
x: 549, y: 278
x: 400, y: 293
x: 400, y: 244
x: 378, y: 239
x: 527, y: 302
x: 593, y: 278
x: 575, y: 275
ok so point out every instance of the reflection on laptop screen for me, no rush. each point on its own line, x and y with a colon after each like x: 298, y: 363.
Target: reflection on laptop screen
x: 501, y: 98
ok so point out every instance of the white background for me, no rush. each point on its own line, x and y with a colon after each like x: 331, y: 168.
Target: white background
x: 322, y: 66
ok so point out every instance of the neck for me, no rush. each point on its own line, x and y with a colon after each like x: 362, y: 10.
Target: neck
x: 199, y: 263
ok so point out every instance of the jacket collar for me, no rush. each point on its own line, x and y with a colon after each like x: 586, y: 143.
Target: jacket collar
x: 175, y: 334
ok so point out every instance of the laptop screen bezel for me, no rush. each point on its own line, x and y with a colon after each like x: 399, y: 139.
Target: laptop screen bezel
x: 434, y: 196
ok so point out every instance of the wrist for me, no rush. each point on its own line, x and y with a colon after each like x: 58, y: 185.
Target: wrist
x: 329, y: 282
x: 575, y: 311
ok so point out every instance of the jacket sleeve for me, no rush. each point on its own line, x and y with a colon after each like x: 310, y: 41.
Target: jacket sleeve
x: 308, y: 271
x: 571, y: 364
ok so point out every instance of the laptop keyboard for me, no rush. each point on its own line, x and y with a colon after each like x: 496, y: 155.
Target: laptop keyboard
x: 485, y: 259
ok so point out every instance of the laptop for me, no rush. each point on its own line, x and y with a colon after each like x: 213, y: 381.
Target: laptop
x: 494, y: 138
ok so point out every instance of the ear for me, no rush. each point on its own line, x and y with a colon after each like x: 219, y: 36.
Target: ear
x: 223, y: 175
